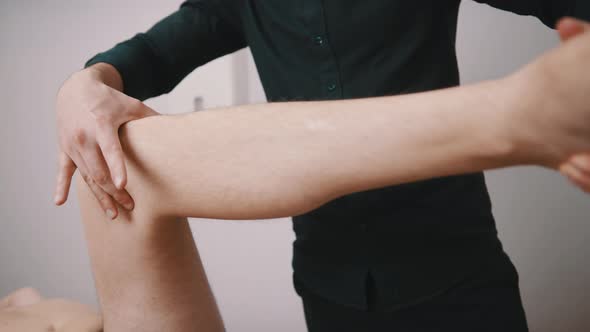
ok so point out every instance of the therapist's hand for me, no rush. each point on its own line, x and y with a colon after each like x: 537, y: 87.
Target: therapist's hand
x: 575, y: 167
x: 90, y: 109
x: 550, y: 121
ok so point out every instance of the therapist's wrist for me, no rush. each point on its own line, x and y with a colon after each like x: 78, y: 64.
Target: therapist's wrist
x: 105, y: 73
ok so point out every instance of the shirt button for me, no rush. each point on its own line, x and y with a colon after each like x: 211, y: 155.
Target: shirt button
x: 332, y: 87
x: 318, y: 40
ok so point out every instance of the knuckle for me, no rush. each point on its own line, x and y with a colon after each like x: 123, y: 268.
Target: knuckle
x: 87, y: 178
x: 101, y: 178
x: 80, y: 136
x: 103, y: 199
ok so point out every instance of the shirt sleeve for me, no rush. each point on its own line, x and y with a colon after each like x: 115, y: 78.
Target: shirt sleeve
x: 154, y: 62
x: 548, y: 11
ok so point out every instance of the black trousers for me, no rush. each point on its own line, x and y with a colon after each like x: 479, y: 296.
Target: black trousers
x: 478, y: 305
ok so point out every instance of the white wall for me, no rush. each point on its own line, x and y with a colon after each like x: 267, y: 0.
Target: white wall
x: 542, y: 220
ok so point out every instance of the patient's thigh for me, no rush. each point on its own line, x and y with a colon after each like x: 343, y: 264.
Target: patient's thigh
x: 147, y: 269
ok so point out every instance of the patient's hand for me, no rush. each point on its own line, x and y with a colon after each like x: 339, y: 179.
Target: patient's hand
x: 25, y: 310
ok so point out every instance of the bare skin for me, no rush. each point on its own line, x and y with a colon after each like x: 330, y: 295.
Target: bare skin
x: 574, y: 169
x: 90, y: 110
x: 276, y: 160
x: 27, y: 311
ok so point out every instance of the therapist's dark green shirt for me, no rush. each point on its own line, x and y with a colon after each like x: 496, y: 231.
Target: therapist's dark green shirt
x: 415, y: 240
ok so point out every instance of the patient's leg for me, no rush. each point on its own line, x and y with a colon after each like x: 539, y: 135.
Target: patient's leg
x: 147, y: 270
x: 284, y: 159
x: 254, y: 162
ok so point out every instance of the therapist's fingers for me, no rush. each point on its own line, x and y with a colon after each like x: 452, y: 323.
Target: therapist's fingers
x: 96, y: 165
x: 105, y: 200
x: 111, y: 151
x: 66, y: 169
x: 581, y: 161
x: 570, y: 27
x: 578, y: 176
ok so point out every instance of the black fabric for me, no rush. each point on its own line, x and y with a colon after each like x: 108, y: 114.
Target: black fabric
x: 488, y: 301
x: 415, y: 239
x: 154, y: 62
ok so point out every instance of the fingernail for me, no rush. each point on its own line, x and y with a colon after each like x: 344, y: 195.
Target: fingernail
x: 110, y: 214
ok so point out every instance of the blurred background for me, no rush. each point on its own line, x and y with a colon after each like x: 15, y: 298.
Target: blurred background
x: 542, y: 220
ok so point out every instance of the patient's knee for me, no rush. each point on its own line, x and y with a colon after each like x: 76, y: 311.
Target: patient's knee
x: 145, y: 181
x: 145, y: 211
